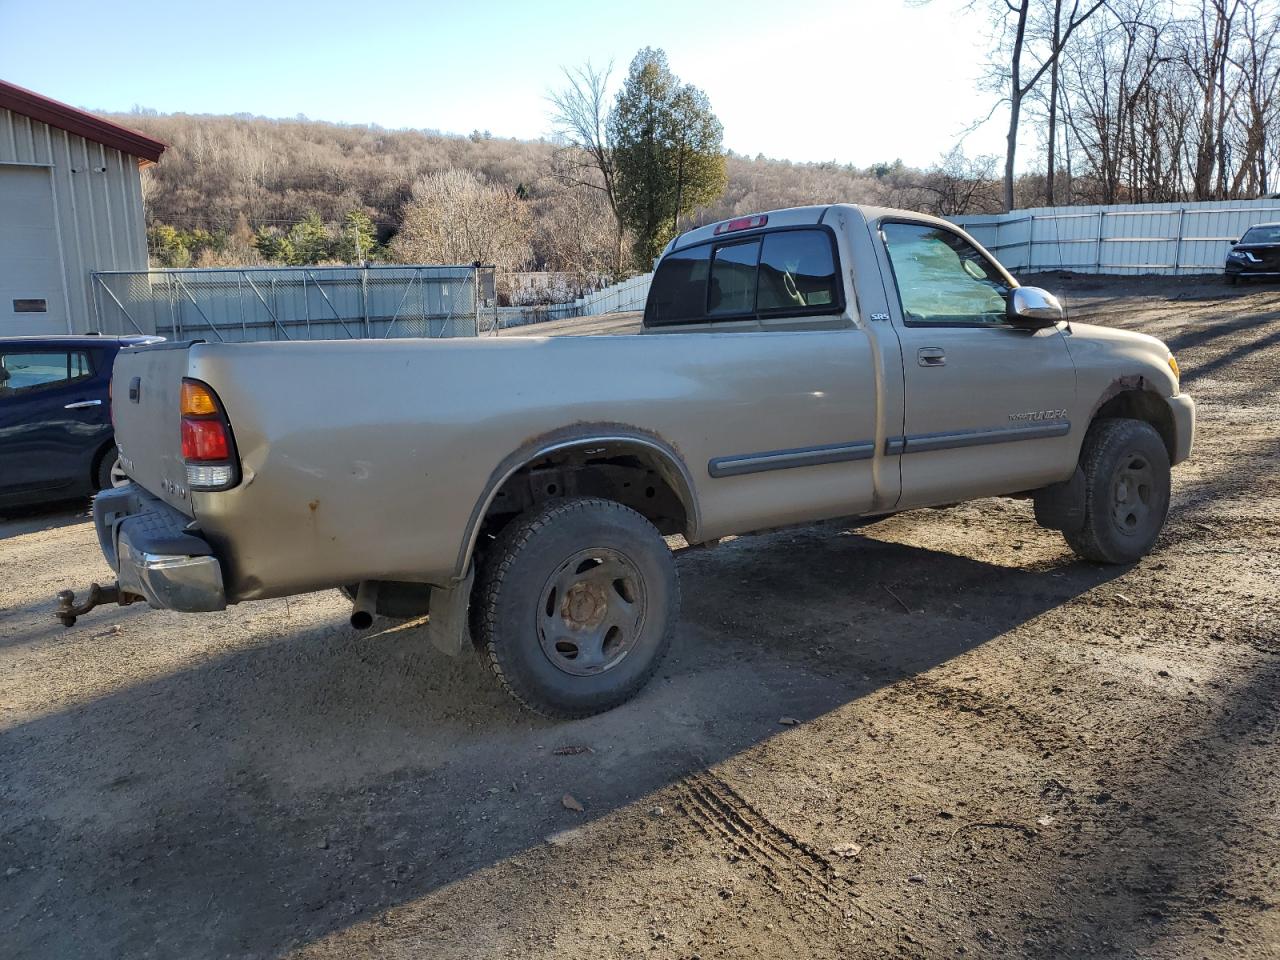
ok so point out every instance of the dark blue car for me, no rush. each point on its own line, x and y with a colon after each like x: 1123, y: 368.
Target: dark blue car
x: 1256, y: 254
x: 56, y: 440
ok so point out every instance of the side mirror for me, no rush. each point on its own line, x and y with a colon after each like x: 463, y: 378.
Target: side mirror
x: 1033, y: 308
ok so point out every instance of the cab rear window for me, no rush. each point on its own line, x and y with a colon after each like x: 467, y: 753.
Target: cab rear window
x: 780, y: 273
x: 679, y: 288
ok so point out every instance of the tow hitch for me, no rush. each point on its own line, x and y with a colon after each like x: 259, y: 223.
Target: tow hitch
x: 69, y: 610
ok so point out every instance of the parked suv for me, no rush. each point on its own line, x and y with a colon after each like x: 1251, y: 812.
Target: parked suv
x: 1256, y: 254
x: 56, y: 438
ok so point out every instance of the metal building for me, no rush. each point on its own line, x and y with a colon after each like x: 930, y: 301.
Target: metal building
x: 70, y: 204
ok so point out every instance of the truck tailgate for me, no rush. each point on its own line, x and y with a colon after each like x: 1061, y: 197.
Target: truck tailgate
x: 146, y: 387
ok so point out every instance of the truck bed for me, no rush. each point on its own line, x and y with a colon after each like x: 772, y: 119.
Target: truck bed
x: 627, y: 321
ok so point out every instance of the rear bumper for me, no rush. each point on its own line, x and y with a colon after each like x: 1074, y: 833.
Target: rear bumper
x: 154, y: 555
x: 1184, y: 425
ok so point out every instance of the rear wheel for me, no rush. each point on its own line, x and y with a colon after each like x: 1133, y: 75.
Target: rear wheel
x: 1126, y: 475
x: 574, y: 606
x: 111, y: 471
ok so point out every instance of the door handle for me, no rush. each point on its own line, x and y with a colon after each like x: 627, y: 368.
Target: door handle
x: 931, y: 357
x: 82, y: 404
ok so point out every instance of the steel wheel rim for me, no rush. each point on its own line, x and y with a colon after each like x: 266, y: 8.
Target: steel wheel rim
x: 1133, y: 492
x: 118, y: 477
x: 591, y: 611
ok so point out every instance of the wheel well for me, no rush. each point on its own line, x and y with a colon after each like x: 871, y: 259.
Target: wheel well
x: 1144, y: 405
x: 636, y: 476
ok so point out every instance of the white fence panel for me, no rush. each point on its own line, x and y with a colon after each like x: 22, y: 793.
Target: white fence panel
x: 1167, y: 238
x: 630, y: 294
x: 627, y: 295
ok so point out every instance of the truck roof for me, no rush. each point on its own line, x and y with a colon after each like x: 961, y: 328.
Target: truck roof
x: 800, y: 216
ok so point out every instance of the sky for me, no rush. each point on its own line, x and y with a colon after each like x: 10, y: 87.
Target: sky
x: 858, y: 81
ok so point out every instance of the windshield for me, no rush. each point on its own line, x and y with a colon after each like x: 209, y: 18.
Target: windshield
x: 1267, y: 234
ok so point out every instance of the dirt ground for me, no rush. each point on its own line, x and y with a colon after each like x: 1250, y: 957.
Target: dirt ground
x: 935, y: 736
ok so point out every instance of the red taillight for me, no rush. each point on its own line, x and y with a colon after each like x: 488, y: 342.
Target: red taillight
x: 207, y: 444
x: 742, y: 223
x: 204, y: 440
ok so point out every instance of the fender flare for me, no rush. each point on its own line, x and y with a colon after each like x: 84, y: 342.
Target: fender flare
x: 567, y: 438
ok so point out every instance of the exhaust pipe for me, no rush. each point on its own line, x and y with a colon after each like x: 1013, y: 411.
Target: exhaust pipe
x: 365, y: 605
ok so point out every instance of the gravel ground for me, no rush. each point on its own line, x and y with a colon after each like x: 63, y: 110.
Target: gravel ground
x: 937, y: 735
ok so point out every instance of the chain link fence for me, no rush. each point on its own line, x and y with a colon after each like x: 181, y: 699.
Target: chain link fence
x: 298, y: 303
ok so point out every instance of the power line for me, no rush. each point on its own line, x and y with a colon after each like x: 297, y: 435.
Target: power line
x: 251, y: 220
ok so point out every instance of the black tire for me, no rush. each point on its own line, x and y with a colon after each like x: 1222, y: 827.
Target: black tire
x: 574, y: 606
x: 1126, y: 491
x: 108, y: 464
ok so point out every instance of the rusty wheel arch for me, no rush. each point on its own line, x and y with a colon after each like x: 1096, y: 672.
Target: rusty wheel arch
x: 603, y: 452
x: 1134, y: 398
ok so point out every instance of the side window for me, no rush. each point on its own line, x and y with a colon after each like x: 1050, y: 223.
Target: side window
x: 22, y: 373
x: 942, y: 279
x: 780, y: 273
x: 797, y: 271
x: 678, y: 293
x: 733, y: 279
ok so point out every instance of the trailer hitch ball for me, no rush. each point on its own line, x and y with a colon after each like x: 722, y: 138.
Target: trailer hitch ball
x: 68, y: 610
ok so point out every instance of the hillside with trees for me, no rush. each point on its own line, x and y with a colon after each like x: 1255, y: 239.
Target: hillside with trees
x: 226, y: 180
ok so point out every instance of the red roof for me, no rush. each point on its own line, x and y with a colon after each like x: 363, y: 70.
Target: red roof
x: 82, y: 124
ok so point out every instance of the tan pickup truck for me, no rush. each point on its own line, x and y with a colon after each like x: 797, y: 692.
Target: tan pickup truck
x: 819, y: 362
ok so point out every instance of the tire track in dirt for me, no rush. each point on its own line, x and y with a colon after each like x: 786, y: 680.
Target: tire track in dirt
x: 793, y: 869
x: 1041, y: 732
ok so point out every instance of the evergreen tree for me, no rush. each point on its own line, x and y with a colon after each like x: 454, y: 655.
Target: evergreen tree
x: 668, y: 151
x: 311, y: 241
x: 358, y: 239
x: 273, y: 247
x: 167, y: 246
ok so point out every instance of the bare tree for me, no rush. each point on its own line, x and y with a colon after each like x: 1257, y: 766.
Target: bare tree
x: 1116, y: 80
x: 580, y: 115
x: 960, y: 185
x: 455, y: 217
x: 1166, y: 101
x: 1026, y: 53
x: 1205, y: 52
x: 575, y: 233
x: 1256, y: 110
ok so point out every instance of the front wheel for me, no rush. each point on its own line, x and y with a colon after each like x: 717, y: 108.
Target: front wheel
x: 574, y: 606
x: 1126, y: 497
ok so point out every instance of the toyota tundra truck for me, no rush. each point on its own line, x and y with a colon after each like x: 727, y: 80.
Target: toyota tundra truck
x: 793, y: 366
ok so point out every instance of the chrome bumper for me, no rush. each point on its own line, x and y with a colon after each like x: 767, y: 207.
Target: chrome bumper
x: 1184, y: 425
x: 154, y: 554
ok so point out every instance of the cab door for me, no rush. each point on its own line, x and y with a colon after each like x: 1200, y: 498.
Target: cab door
x: 53, y: 418
x: 988, y: 404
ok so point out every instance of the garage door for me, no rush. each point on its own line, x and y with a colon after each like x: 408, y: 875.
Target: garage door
x: 30, y: 264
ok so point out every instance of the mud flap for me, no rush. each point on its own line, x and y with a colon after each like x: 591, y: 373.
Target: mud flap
x: 447, y: 626
x: 1060, y: 506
